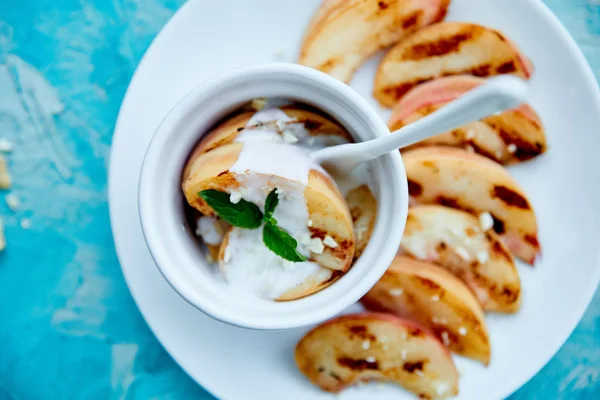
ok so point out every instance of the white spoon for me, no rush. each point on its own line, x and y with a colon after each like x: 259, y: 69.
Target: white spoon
x: 496, y: 95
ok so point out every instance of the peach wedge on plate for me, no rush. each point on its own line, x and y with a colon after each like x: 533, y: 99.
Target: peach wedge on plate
x: 510, y: 137
x: 435, y: 298
x: 455, y: 240
x: 449, y: 48
x: 456, y: 178
x: 344, y: 33
x: 382, y: 347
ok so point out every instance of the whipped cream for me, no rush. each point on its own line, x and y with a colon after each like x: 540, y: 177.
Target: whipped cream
x: 249, y: 266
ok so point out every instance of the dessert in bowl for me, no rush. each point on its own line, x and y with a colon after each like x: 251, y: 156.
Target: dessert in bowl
x: 290, y: 256
x: 287, y: 229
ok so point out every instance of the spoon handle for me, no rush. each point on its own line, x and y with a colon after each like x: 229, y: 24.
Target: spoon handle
x: 496, y: 95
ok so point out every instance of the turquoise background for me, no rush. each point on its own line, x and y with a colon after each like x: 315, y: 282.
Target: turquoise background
x: 68, y: 326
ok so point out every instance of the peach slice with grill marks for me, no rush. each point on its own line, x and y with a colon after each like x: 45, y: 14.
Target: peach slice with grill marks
x: 455, y: 240
x: 433, y: 297
x: 381, y: 347
x: 459, y: 179
x: 344, y: 33
x: 508, y: 138
x: 315, y: 124
x: 448, y: 48
x: 363, y: 209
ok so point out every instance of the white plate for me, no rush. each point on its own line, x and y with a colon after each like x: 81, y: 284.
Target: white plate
x: 208, y: 37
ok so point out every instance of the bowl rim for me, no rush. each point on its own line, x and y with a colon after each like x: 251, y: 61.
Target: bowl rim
x: 372, y: 264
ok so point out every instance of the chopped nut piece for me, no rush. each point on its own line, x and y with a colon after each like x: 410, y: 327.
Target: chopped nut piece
x: 4, y: 175
x: 330, y: 242
x: 462, y: 253
x: 13, y: 201
x: 445, y: 338
x: 486, y: 221
x: 442, y: 388
x: 258, y: 104
x: 316, y: 246
x: 235, y: 196
x: 483, y: 257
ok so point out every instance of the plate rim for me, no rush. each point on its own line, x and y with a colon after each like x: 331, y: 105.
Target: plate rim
x: 585, y: 299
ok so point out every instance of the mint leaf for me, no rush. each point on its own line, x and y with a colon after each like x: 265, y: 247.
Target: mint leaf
x: 242, y: 214
x: 270, y: 204
x: 281, y: 243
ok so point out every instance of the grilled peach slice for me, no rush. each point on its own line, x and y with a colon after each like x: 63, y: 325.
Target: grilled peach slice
x: 459, y: 179
x: 363, y: 209
x: 369, y: 346
x: 449, y: 48
x: 316, y: 282
x: 435, y: 298
x: 299, y: 119
x: 327, y: 210
x: 343, y: 34
x: 456, y: 240
x: 511, y: 137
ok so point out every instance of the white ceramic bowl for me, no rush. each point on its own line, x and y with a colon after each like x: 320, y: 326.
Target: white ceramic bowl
x: 161, y: 201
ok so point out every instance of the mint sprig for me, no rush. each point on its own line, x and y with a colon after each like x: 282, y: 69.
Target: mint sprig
x: 247, y: 215
x: 281, y: 243
x: 242, y: 214
x: 270, y: 204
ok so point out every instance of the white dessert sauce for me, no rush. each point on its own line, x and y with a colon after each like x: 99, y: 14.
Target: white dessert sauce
x: 210, y: 229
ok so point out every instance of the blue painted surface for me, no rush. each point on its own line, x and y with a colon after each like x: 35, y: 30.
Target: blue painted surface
x: 68, y: 326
